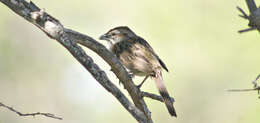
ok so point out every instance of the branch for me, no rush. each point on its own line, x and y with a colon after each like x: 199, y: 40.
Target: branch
x: 247, y: 30
x: 116, y: 66
x: 55, y: 30
x: 243, y: 90
x: 30, y: 114
x: 253, y: 17
x: 154, y: 96
x: 255, y: 88
x: 251, y: 5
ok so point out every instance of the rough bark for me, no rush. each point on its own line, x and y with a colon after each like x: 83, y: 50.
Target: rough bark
x: 69, y: 39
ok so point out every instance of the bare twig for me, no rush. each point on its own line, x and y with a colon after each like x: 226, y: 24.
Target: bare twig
x: 244, y: 15
x: 29, y: 114
x: 243, y: 90
x: 255, y: 88
x: 247, y: 30
x: 255, y: 81
x: 154, y: 96
x: 55, y: 30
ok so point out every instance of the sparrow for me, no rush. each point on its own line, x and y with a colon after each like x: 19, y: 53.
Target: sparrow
x: 139, y: 58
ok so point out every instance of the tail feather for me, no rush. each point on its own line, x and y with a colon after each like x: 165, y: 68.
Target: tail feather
x: 164, y: 93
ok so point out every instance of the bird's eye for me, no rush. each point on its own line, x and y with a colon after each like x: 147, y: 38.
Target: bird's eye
x: 113, y: 34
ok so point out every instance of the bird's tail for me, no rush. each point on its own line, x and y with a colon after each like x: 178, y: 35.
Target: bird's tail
x: 164, y: 93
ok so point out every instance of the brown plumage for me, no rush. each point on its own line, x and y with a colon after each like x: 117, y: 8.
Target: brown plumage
x: 139, y: 58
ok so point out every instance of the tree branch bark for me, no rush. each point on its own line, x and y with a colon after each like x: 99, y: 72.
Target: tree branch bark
x: 68, y: 38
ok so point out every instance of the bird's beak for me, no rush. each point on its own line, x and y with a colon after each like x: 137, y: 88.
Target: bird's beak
x: 103, y: 37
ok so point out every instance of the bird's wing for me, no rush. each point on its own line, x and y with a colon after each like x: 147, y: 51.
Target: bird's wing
x: 145, y: 43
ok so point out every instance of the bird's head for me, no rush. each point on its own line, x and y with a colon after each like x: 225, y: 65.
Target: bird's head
x: 118, y: 34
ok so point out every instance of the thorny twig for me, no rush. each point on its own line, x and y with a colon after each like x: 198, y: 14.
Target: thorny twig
x: 253, y: 17
x: 256, y: 87
x: 29, y: 114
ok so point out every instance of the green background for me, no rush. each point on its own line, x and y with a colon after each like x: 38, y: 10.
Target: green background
x: 197, y: 39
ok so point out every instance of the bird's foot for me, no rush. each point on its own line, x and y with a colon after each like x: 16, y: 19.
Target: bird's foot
x: 130, y: 75
x: 140, y: 85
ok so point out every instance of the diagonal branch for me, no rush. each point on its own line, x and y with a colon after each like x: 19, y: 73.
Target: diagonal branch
x: 29, y: 114
x: 55, y: 30
x: 251, y: 6
x: 116, y: 66
x: 244, y: 15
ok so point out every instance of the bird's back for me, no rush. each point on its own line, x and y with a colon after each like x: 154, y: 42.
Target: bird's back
x: 138, y: 56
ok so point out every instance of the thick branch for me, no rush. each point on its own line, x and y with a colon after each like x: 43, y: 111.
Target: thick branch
x: 53, y: 28
x: 29, y: 114
x: 116, y: 66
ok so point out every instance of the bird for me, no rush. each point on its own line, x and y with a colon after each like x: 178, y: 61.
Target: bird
x: 139, y: 58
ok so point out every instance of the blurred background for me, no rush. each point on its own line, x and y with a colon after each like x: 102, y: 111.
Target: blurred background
x: 197, y: 39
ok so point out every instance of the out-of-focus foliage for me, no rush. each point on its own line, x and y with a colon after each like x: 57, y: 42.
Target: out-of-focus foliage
x: 197, y: 39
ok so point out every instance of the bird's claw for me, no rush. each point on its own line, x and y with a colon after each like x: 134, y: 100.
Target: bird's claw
x: 119, y: 82
x: 139, y: 86
x: 131, y: 75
